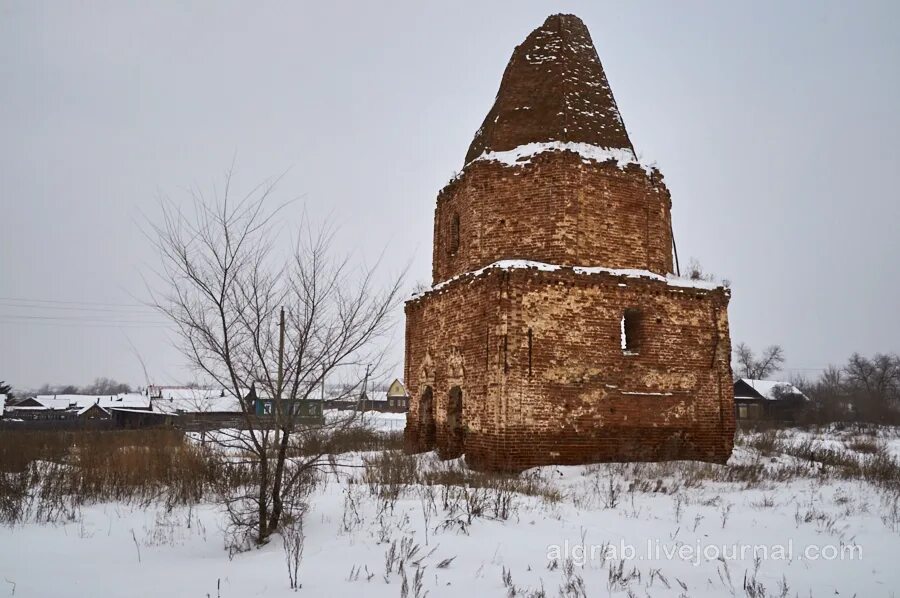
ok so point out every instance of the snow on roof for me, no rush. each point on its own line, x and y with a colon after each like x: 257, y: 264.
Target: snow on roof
x: 87, y: 408
x: 198, y: 403
x: 671, y: 280
x: 772, y: 390
x: 523, y: 154
x: 141, y: 411
x: 61, y: 402
x: 179, y: 392
x: 378, y: 396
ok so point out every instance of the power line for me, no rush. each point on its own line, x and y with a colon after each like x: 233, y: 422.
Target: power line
x: 87, y: 319
x: 82, y: 317
x: 35, y: 306
x: 59, y: 301
x: 78, y: 314
x: 85, y: 324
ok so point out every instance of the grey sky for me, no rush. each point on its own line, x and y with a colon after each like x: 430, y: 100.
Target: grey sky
x: 775, y: 125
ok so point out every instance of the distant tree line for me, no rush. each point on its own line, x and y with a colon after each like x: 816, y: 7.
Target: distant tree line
x: 865, y: 389
x: 100, y: 386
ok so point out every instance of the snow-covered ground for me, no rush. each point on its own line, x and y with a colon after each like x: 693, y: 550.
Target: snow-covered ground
x: 670, y: 529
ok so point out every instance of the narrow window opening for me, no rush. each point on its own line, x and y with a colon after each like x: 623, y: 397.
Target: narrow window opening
x: 454, y: 234
x: 630, y: 329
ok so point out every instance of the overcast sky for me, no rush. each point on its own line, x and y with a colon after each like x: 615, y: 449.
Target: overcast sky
x: 775, y: 125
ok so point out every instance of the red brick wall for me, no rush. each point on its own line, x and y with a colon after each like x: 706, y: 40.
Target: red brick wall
x: 579, y: 402
x: 556, y: 209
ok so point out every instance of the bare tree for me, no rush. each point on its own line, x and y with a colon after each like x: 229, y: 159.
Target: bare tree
x: 873, y: 384
x: 106, y: 386
x: 748, y: 366
x: 864, y: 390
x: 270, y: 330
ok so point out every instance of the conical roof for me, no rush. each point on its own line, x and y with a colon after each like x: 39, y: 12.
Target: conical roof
x: 553, y: 90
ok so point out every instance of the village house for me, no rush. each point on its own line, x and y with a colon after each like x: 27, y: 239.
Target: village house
x: 555, y: 331
x: 393, y: 399
x: 397, y: 397
x: 767, y: 400
x: 73, y: 407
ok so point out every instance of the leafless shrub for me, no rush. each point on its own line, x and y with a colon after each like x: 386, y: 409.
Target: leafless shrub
x: 609, y: 492
x: 268, y: 328
x: 351, y: 518
x: 292, y: 540
x: 427, y: 495
x: 767, y: 443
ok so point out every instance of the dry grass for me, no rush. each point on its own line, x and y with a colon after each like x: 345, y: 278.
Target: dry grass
x: 346, y: 440
x: 393, y: 468
x: 50, y: 474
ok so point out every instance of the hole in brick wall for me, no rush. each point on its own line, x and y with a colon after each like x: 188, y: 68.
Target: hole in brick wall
x: 631, y: 331
x: 454, y: 234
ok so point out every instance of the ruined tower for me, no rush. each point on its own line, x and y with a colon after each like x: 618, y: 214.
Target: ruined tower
x: 554, y: 331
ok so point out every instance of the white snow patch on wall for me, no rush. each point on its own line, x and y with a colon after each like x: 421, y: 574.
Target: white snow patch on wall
x: 523, y: 154
x: 671, y: 280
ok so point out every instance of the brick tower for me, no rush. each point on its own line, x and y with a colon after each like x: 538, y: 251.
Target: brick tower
x: 554, y: 331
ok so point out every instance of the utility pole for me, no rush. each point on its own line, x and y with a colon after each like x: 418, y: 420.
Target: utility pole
x: 365, y: 388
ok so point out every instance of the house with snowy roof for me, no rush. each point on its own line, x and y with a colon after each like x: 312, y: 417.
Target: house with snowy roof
x: 770, y: 400
x: 74, y: 407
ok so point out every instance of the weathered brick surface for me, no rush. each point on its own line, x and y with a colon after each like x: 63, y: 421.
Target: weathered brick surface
x: 536, y: 355
x: 556, y: 209
x: 575, y: 397
x: 553, y: 89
